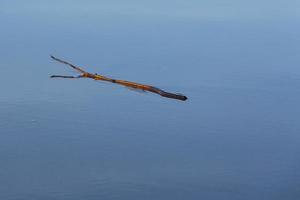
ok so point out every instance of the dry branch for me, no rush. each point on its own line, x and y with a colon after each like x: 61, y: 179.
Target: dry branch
x: 129, y: 84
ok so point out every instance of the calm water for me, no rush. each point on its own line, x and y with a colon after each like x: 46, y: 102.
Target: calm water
x: 237, y: 137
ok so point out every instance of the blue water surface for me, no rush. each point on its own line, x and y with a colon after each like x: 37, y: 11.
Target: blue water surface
x: 237, y: 137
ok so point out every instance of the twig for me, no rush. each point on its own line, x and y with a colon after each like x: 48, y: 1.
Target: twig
x: 129, y: 84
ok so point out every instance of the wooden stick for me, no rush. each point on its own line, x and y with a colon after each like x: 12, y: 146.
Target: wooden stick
x: 129, y: 84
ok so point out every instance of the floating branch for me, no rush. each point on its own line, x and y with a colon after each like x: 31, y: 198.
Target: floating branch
x: 84, y: 74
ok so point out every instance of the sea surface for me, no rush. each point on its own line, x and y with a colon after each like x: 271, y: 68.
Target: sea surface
x: 237, y: 137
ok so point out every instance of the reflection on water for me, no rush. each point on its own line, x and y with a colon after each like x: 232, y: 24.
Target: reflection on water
x: 237, y: 137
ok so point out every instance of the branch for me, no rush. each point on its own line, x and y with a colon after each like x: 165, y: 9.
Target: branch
x: 71, y: 65
x: 60, y: 76
x: 129, y: 84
